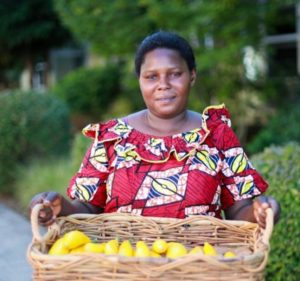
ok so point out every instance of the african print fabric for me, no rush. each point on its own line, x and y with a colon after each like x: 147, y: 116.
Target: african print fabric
x: 199, y: 172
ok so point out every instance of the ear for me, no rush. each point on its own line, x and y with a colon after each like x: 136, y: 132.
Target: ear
x: 193, y: 77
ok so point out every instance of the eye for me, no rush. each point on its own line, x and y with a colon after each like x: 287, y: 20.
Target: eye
x: 151, y: 77
x: 176, y: 74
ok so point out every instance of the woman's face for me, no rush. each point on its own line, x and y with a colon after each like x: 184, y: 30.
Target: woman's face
x: 165, y: 82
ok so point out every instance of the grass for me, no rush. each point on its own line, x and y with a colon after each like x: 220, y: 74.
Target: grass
x: 52, y: 174
x: 40, y: 176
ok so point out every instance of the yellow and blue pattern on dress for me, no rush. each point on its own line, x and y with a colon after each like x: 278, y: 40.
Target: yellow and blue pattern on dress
x: 85, y: 188
x: 206, y: 160
x: 235, y: 162
x: 245, y: 187
x: 156, y: 146
x: 192, y: 137
x: 121, y: 129
x: 164, y: 186
x: 126, y: 156
x: 98, y: 157
x: 238, y: 163
x: 210, y: 161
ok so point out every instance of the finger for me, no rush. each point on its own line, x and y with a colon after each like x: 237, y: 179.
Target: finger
x: 261, y: 220
x: 53, y: 200
x: 38, y: 199
x: 49, y: 219
x: 259, y: 210
x: 46, y: 212
x: 262, y: 224
x: 48, y: 222
x: 265, y: 205
x: 262, y: 203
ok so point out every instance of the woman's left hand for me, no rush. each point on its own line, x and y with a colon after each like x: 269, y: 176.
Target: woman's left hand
x: 260, y: 205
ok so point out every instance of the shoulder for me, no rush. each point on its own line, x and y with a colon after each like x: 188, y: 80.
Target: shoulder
x: 215, y: 115
x: 135, y: 120
x: 108, y: 130
x: 195, y: 116
x: 217, y: 122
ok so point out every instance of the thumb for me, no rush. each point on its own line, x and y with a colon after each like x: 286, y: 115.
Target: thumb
x: 53, y: 200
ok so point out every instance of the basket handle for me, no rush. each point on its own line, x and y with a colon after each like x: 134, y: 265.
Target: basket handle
x: 267, y: 232
x: 54, y: 228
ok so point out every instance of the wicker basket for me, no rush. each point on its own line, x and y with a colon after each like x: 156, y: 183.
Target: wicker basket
x: 190, y: 231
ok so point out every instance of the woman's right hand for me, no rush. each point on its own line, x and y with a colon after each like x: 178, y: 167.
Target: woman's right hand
x: 52, y: 202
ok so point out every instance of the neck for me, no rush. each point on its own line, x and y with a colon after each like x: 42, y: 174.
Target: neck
x: 166, y: 126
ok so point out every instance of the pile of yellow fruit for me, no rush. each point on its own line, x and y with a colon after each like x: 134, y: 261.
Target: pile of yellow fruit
x: 75, y: 242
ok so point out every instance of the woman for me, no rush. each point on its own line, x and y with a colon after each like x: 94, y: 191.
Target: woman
x: 165, y: 160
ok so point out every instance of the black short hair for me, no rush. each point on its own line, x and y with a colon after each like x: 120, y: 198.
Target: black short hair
x: 164, y: 39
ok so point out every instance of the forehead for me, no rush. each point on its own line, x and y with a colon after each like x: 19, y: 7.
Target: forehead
x: 162, y: 57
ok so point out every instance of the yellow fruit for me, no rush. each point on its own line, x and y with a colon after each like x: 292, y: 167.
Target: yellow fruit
x: 75, y: 239
x: 229, y: 254
x: 209, y: 249
x: 142, y: 249
x: 176, y: 250
x: 77, y: 250
x: 58, y: 248
x: 170, y: 244
x: 126, y: 249
x: 154, y: 254
x: 196, y: 250
x: 111, y: 247
x: 94, y: 247
x: 160, y: 246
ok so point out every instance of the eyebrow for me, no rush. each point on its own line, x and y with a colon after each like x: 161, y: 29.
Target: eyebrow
x: 155, y: 70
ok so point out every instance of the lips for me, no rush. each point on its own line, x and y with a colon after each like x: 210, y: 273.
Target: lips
x: 166, y: 99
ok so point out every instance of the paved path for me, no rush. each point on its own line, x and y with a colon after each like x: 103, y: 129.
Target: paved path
x: 15, y: 236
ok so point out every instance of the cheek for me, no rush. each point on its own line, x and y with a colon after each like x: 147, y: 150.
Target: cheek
x: 146, y: 89
x: 146, y: 94
x: 183, y: 87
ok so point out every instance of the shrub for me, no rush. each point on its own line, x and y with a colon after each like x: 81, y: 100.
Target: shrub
x: 281, y: 167
x: 280, y: 129
x: 52, y: 174
x: 89, y: 91
x: 31, y: 125
x: 79, y: 148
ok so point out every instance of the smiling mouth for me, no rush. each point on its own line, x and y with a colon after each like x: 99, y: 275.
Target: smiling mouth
x: 166, y: 99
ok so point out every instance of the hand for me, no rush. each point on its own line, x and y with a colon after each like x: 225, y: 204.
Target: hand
x: 260, y: 205
x: 52, y: 202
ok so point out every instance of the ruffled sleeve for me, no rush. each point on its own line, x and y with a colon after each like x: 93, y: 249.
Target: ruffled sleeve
x: 240, y: 180
x: 89, y: 183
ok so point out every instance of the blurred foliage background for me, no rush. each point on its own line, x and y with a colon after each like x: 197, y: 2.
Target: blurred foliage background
x: 46, y: 100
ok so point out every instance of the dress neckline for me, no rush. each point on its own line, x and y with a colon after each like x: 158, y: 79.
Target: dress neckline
x: 147, y: 135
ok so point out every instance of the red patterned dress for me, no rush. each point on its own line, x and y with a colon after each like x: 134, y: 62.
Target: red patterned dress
x: 199, y: 172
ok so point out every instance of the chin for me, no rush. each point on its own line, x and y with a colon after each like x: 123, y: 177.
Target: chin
x: 167, y: 114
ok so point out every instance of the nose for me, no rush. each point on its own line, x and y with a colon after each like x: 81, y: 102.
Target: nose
x: 163, y: 83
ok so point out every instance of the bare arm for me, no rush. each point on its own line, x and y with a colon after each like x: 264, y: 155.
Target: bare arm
x: 253, y: 210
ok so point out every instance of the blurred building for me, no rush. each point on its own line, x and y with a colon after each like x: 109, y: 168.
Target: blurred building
x: 283, y: 45
x: 284, y: 42
x: 64, y: 60
x: 60, y: 62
